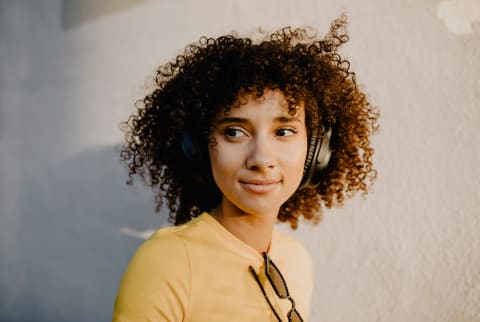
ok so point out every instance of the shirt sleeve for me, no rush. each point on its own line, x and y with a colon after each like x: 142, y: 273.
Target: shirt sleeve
x: 156, y: 283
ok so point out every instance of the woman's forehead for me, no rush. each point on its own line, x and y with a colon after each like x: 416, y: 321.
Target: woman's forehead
x: 272, y: 102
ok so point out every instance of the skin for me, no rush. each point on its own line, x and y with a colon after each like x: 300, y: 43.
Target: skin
x: 257, y: 163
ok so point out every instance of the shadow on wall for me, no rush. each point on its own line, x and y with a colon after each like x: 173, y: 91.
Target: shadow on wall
x: 70, y: 253
x: 75, y: 13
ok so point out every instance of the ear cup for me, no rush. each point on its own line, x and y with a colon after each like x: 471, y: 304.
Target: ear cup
x: 312, y: 144
x: 195, y: 163
x: 190, y: 148
x: 318, y: 156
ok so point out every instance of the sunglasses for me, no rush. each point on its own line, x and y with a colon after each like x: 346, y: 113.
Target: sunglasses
x: 279, y: 286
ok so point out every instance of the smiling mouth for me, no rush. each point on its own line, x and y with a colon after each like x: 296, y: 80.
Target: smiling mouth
x: 259, y: 186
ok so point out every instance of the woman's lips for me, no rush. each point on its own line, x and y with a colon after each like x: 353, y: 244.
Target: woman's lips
x: 259, y: 186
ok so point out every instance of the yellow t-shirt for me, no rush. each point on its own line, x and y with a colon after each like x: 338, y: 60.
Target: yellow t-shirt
x: 198, y: 272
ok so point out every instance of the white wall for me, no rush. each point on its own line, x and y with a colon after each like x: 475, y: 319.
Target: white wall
x: 70, y: 72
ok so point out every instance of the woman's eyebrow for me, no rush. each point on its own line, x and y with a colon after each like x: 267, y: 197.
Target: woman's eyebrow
x: 238, y: 120
x: 241, y: 120
x: 288, y: 119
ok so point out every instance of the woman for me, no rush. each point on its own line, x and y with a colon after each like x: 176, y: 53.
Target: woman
x: 237, y: 136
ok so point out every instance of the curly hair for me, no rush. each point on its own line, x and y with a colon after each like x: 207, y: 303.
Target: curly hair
x: 210, y: 75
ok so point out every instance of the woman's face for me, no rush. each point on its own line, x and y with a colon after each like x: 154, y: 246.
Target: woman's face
x: 259, y: 153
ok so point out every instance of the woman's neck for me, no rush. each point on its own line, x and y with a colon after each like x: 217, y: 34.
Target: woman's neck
x: 254, y: 230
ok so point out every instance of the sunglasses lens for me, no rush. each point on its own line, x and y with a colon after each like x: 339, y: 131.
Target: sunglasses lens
x: 277, y: 281
x: 294, y: 316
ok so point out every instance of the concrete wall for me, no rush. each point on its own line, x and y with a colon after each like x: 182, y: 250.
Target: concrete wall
x: 71, y: 70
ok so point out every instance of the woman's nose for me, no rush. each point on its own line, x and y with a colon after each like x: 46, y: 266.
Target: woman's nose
x: 261, y: 154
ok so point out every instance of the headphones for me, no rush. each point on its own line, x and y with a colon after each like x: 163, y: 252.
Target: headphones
x: 318, y: 155
x: 190, y: 148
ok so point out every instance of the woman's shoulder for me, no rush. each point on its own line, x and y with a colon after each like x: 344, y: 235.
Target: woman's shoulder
x: 290, y: 246
x: 169, y: 243
x: 177, y: 235
x: 163, y: 252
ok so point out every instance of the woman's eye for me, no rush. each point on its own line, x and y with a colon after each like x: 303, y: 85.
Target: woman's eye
x: 285, y: 132
x: 233, y: 133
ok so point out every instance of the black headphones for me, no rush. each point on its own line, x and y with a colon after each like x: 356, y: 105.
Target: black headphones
x: 190, y: 148
x: 318, y: 155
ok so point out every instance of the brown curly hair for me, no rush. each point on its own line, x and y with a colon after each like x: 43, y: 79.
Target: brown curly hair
x: 208, y: 77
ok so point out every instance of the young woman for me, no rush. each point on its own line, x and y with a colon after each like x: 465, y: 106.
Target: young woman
x: 238, y: 136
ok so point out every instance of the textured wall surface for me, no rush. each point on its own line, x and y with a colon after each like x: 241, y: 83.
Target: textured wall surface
x: 71, y: 70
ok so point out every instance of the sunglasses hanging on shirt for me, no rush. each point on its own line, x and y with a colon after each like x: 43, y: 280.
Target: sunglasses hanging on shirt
x: 279, y: 286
